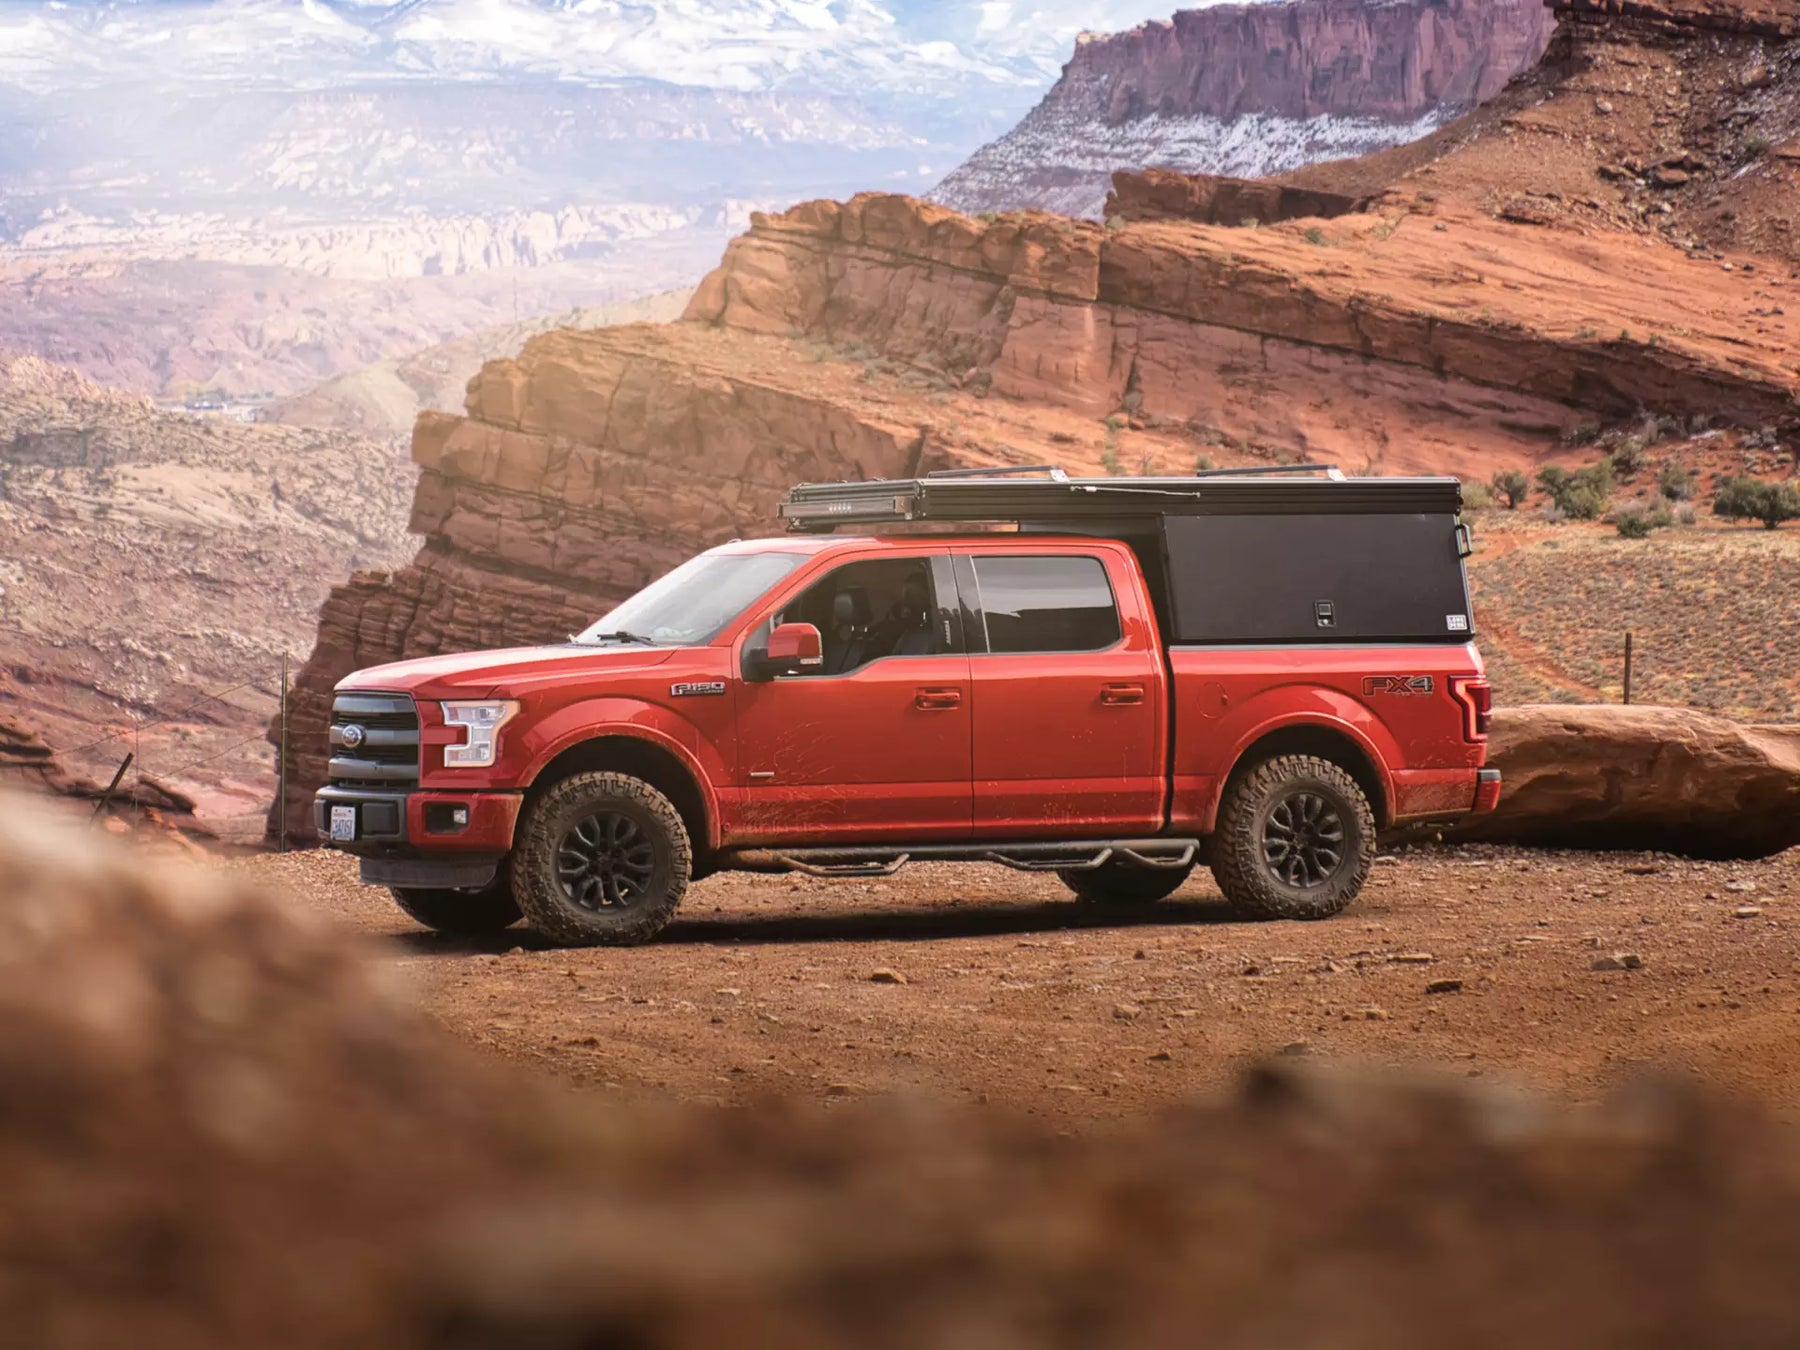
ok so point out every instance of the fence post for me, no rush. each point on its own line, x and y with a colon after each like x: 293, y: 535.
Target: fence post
x: 111, y: 788
x: 281, y: 799
x: 1628, y: 667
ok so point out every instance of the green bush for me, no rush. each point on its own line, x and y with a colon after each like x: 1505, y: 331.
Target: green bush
x: 1476, y: 497
x: 1752, y: 499
x: 1581, y: 495
x: 1674, y: 482
x: 1512, y: 487
x: 1633, y: 525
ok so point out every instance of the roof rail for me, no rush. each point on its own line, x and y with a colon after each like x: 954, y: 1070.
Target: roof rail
x: 1331, y: 471
x: 1056, y: 472
x: 986, y: 497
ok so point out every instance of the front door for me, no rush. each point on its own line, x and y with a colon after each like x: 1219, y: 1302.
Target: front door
x: 1068, y: 710
x: 874, y: 747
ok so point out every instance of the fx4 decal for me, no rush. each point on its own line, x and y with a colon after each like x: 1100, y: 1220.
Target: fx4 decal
x: 1397, y: 684
x: 697, y: 689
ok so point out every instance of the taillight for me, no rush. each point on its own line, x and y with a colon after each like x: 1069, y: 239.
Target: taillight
x: 1477, y: 698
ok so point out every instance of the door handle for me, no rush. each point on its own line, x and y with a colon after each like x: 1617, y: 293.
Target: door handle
x: 1121, y: 695
x: 936, y: 700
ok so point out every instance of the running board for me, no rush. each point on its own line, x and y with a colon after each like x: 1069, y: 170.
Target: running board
x: 874, y: 860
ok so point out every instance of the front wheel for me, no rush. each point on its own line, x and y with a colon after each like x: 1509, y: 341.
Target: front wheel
x: 477, y: 913
x: 601, y: 859
x: 1295, y: 840
x: 1118, y: 883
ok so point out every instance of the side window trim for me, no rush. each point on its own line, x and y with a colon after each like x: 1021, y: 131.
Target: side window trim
x: 974, y: 618
x: 973, y: 587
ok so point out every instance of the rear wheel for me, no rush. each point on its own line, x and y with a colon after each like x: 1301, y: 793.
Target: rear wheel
x: 601, y: 859
x: 1295, y: 839
x: 474, y: 913
x: 1120, y: 883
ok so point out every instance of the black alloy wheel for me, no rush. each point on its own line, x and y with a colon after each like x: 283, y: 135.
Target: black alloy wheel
x: 601, y: 859
x: 1295, y: 839
x: 1303, y: 839
x: 606, y: 861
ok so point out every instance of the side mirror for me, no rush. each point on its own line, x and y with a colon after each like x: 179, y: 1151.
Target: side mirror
x: 794, y: 649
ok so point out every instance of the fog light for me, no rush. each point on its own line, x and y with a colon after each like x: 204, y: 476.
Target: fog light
x: 446, y: 817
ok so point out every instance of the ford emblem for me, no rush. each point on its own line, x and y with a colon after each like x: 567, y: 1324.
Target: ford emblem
x: 353, y: 737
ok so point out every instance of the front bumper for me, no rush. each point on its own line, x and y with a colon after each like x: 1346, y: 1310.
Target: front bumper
x: 385, y: 824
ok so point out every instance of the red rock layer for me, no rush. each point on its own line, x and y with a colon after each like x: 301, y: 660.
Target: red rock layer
x: 1215, y: 199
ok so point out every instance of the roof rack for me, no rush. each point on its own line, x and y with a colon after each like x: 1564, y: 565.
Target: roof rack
x: 1003, y: 495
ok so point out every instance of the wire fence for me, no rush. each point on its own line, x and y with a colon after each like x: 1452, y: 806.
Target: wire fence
x: 130, y: 741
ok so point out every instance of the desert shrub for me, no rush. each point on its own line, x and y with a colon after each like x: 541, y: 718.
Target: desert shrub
x: 1752, y: 499
x: 1115, y: 423
x: 1109, y: 460
x: 1674, y: 482
x: 1115, y: 224
x: 1476, y: 497
x: 1755, y: 147
x: 1202, y: 463
x: 1765, y: 439
x: 1581, y: 495
x: 1512, y: 487
x: 1314, y: 235
x: 1638, y: 520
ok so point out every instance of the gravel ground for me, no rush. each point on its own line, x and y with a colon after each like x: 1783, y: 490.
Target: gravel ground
x: 1559, y: 970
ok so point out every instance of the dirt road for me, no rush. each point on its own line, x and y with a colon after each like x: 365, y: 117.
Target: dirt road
x: 984, y: 984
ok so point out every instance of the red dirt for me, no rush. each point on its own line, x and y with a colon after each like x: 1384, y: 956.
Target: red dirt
x: 1016, y: 997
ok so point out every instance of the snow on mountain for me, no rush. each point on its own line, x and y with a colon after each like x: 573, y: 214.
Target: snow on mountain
x: 1249, y: 91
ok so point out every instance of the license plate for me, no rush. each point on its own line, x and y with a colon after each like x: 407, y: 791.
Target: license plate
x: 343, y: 823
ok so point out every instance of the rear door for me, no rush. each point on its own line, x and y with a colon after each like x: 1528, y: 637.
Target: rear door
x: 1068, y: 692
x: 874, y: 746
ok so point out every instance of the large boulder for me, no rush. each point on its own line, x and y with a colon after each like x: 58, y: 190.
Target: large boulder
x: 1607, y: 776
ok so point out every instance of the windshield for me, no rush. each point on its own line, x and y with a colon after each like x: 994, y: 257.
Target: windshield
x: 693, y: 603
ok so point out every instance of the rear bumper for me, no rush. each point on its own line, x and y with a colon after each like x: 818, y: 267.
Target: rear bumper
x: 420, y: 824
x: 1487, y: 790
x: 1424, y: 796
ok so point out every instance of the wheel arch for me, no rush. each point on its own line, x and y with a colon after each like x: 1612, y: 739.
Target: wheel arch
x: 662, y: 766
x: 1335, y: 743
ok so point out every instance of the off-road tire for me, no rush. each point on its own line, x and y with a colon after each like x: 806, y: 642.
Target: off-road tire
x: 1121, y: 885
x: 1239, y: 860
x: 460, y: 913
x: 538, y: 859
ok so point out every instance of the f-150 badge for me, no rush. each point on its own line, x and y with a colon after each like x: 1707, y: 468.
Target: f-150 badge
x: 1397, y: 684
x: 697, y: 689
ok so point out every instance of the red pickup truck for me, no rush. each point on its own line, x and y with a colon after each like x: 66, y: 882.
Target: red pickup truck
x: 1112, y: 680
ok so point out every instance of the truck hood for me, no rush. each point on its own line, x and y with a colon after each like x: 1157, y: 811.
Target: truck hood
x: 502, y: 673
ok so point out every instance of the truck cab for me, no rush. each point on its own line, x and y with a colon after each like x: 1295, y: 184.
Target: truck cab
x: 1113, y: 681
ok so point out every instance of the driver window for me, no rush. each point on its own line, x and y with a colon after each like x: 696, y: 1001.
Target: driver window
x: 866, y: 611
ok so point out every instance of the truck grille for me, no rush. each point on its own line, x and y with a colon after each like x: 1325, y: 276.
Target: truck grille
x: 388, y: 756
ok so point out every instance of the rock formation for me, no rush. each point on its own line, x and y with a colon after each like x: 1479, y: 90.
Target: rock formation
x: 1430, y: 331
x: 28, y: 765
x: 1249, y: 89
x: 1643, y: 778
x: 1214, y: 199
x: 223, y: 1130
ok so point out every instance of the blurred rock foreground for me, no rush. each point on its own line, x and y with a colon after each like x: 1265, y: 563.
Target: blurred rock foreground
x: 219, y: 1128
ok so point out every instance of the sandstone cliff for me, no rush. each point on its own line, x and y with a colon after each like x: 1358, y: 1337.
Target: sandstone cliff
x: 1249, y: 89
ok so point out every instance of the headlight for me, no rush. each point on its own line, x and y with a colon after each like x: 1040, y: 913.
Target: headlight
x: 481, y: 723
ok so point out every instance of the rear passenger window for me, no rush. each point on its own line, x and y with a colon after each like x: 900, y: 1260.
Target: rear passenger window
x: 1047, y: 604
